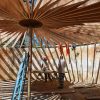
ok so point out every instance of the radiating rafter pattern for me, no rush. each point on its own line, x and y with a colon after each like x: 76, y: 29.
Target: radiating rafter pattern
x: 56, y: 21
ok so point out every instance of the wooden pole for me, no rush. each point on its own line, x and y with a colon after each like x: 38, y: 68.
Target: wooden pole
x: 94, y: 59
x: 81, y: 62
x: 30, y: 30
x: 30, y: 63
x: 76, y: 64
x: 98, y: 71
x: 72, y: 68
x: 87, y: 62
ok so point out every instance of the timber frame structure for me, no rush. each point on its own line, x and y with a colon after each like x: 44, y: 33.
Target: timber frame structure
x: 52, y: 22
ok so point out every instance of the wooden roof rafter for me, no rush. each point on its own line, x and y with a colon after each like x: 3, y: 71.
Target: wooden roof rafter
x: 52, y: 15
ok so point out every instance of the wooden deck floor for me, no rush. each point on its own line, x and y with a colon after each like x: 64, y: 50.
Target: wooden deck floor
x: 42, y: 91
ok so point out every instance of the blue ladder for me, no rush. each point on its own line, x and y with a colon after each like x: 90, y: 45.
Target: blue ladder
x: 20, y: 81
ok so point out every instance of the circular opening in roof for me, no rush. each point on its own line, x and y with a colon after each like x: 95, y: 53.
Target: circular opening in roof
x: 30, y: 23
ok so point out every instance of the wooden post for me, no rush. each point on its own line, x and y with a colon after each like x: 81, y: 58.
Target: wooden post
x: 98, y: 71
x: 87, y: 62
x: 30, y: 63
x: 72, y: 68
x: 81, y: 62
x: 94, y: 59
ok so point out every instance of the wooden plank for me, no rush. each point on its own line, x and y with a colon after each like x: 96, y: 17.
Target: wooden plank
x: 98, y: 71
x: 38, y: 62
x: 52, y: 56
x: 48, y: 59
x: 76, y: 64
x: 81, y: 61
x: 5, y: 72
x: 93, y: 98
x: 6, y: 63
x: 48, y: 71
x: 94, y: 59
x: 87, y: 62
x: 71, y: 67
x: 7, y: 53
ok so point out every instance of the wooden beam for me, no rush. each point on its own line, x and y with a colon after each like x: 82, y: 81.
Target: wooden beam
x: 81, y: 62
x: 76, y: 64
x: 87, y: 61
x: 98, y: 72
x: 94, y: 59
x: 71, y: 67
x: 30, y: 63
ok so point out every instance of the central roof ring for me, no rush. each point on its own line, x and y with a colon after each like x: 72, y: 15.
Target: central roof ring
x: 30, y: 23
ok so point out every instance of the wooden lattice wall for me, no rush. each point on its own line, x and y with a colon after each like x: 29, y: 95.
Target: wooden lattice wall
x: 84, y: 66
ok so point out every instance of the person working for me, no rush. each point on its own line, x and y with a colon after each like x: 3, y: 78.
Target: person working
x: 61, y: 71
x: 44, y: 66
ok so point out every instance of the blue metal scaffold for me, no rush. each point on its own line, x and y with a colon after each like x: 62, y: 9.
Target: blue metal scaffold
x: 20, y: 81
